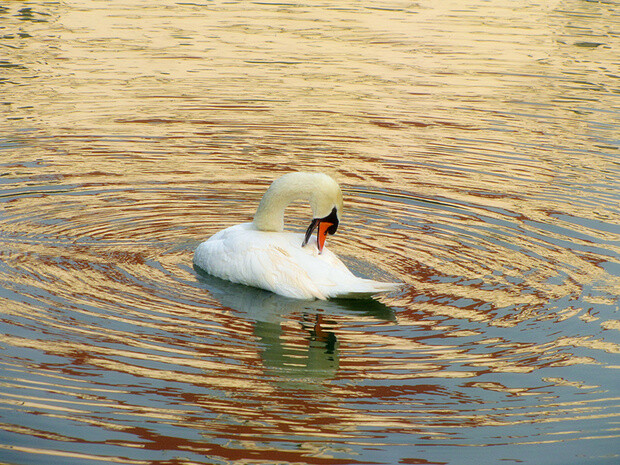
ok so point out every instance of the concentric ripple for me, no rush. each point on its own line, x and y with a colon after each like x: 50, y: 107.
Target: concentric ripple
x: 476, y: 147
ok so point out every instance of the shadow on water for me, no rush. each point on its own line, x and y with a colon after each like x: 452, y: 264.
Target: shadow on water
x: 300, y: 364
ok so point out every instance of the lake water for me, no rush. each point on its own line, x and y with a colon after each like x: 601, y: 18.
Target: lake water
x: 477, y: 147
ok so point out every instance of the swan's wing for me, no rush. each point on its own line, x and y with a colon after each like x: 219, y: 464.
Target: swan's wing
x: 287, y: 275
x: 268, y: 261
x: 278, y: 263
x: 336, y: 281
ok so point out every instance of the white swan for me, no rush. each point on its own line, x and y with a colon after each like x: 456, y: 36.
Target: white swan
x: 261, y: 254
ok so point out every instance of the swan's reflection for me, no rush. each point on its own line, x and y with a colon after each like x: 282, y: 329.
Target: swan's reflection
x: 291, y: 363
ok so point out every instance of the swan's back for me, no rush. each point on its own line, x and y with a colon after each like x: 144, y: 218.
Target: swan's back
x: 276, y: 261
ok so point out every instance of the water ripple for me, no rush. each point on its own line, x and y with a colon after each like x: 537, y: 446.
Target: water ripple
x: 478, y: 167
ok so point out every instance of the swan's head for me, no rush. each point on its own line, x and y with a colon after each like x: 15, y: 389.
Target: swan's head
x: 326, y: 204
x: 323, y: 226
x: 319, y: 189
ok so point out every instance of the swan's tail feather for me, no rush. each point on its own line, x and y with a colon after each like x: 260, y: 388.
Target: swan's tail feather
x: 367, y: 288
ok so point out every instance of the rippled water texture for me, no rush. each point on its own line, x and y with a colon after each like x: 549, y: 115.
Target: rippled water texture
x: 477, y: 147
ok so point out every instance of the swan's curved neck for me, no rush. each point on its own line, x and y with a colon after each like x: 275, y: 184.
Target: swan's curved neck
x: 270, y: 213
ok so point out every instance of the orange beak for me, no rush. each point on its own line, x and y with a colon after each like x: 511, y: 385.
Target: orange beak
x: 327, y: 225
x: 321, y: 234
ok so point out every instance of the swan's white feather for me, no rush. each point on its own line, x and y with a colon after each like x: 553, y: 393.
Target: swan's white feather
x: 276, y: 261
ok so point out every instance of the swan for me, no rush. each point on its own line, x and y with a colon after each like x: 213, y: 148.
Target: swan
x: 261, y: 254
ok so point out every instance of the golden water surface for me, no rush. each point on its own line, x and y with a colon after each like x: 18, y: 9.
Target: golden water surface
x: 477, y: 147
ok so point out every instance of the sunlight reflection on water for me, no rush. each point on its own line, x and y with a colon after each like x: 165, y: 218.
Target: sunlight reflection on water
x: 476, y: 146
